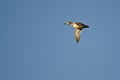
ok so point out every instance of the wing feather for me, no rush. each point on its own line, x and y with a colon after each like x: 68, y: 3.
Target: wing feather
x: 77, y: 34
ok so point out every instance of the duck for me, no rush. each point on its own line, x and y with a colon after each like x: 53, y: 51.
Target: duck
x: 78, y: 27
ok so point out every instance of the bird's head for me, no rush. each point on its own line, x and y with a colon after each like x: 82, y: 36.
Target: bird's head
x: 68, y: 23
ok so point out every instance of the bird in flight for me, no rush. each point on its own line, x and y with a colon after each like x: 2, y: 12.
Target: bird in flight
x: 78, y: 26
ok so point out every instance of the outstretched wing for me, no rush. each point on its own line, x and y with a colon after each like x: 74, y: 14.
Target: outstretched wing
x: 77, y: 34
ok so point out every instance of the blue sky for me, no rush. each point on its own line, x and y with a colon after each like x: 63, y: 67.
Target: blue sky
x: 36, y: 45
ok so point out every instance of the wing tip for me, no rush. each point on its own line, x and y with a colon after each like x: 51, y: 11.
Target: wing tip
x: 77, y: 41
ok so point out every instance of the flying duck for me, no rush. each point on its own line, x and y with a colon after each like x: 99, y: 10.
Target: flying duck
x: 78, y: 26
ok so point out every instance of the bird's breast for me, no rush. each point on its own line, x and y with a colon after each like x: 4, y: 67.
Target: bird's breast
x: 76, y: 26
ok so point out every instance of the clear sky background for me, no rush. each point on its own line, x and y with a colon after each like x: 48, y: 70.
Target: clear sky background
x: 36, y: 45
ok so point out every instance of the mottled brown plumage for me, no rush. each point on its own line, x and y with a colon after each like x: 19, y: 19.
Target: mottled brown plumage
x: 78, y: 28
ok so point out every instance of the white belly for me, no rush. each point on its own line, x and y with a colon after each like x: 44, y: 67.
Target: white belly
x: 75, y: 26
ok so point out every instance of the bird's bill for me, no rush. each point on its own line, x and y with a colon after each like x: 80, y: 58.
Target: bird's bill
x: 66, y: 23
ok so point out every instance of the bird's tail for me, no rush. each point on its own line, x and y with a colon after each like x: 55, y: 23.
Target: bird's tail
x: 85, y: 26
